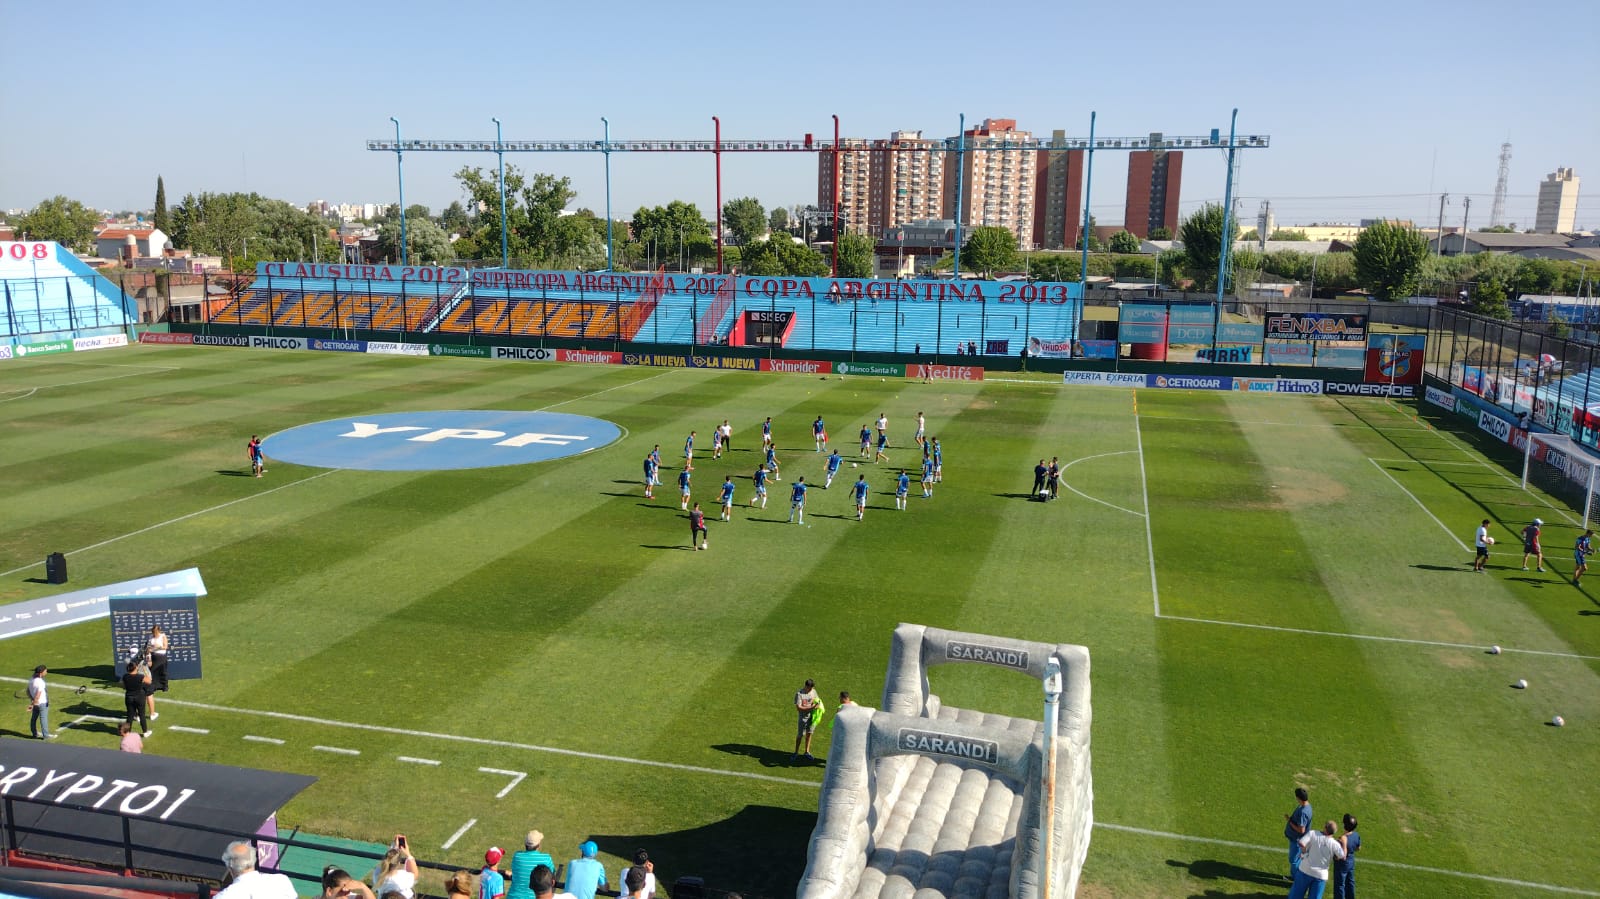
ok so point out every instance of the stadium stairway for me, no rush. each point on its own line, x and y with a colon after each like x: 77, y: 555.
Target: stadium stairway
x: 927, y: 801
x: 57, y: 295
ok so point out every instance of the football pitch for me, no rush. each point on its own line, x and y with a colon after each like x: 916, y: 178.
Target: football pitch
x: 1274, y: 590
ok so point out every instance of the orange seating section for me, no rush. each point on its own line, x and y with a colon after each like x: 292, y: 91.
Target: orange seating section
x: 392, y: 312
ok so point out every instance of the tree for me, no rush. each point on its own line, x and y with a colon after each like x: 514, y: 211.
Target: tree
x: 778, y: 220
x: 1160, y: 234
x: 1388, y: 258
x: 779, y: 254
x: 672, y: 232
x: 989, y: 249
x: 426, y: 242
x: 855, y: 255
x: 1202, y: 243
x: 1498, y: 229
x: 1488, y: 298
x: 746, y: 218
x: 1124, y: 242
x: 1282, y: 234
x: 65, y: 221
x: 160, y: 219
x: 1054, y: 266
x: 454, y: 219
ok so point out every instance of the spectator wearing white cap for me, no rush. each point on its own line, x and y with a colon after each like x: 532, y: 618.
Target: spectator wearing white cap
x: 523, y: 863
x: 585, y: 875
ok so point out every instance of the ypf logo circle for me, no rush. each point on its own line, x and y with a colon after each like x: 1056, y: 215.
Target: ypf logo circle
x: 433, y: 441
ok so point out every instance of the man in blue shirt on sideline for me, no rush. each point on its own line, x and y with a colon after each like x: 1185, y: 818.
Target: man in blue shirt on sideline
x: 1296, y: 824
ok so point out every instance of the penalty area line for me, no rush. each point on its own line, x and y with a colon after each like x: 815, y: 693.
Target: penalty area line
x: 1425, y: 509
x: 1278, y: 850
x: 1373, y: 637
x: 1144, y: 490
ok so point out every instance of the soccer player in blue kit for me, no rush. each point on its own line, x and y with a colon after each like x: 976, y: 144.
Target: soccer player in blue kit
x: 927, y: 477
x: 866, y: 442
x: 760, y: 477
x: 834, y: 461
x: 819, y: 433
x: 883, y: 441
x: 902, y: 486
x: 650, y: 476
x: 766, y: 432
x: 683, y: 488
x: 861, y: 497
x: 772, y: 462
x: 727, y: 499
x: 688, y: 452
x: 797, y: 500
x: 938, y: 462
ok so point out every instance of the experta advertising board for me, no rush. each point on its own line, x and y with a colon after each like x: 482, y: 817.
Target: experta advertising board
x: 1103, y: 378
x: 386, y: 348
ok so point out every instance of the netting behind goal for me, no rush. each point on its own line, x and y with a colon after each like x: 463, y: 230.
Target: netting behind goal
x: 1562, y: 468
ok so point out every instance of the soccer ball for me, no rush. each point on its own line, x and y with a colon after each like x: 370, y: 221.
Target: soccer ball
x: 704, y: 544
x: 1521, y: 684
x: 1494, y: 650
x: 1488, y: 541
x: 1558, y: 721
x: 854, y: 465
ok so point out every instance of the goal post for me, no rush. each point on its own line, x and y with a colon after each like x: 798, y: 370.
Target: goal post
x: 1563, y: 468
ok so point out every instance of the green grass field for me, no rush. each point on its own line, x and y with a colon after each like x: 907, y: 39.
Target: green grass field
x: 1295, y: 609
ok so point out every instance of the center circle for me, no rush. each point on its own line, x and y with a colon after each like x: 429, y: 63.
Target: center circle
x: 436, y: 441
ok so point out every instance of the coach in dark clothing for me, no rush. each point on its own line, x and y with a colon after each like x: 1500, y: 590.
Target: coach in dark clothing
x: 136, y: 689
x: 1039, y: 472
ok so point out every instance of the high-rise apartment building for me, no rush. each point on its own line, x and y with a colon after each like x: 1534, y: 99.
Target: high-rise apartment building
x: 1558, y: 202
x: 856, y: 183
x: 997, y: 176
x: 909, y: 172
x: 1155, y: 178
x: 1058, y: 204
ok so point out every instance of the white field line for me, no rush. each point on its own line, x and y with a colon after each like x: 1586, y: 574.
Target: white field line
x: 82, y: 718
x: 339, y: 750
x: 1144, y: 490
x: 1092, y: 498
x: 607, y: 390
x: 1365, y: 860
x: 1380, y: 639
x: 516, y: 778
x: 1516, y: 482
x: 459, y: 834
x: 1425, y: 509
x: 415, y: 761
x: 454, y: 738
x: 188, y: 730
x: 255, y: 739
x: 146, y: 530
x: 1308, y: 426
x: 1427, y: 462
x: 33, y: 390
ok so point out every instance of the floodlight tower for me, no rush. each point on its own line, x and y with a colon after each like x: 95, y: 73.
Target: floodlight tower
x: 1497, y: 212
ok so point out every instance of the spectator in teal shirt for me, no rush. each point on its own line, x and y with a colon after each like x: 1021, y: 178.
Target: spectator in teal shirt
x: 523, y: 863
x: 586, y: 875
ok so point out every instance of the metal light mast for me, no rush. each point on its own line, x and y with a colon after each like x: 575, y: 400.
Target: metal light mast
x: 1497, y: 212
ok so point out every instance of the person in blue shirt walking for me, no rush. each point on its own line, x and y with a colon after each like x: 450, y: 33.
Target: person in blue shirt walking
x: 683, y: 488
x: 766, y: 432
x: 902, y: 486
x: 649, y: 477
x: 1344, y: 869
x: 866, y: 442
x: 727, y: 499
x: 834, y: 461
x: 861, y: 497
x: 760, y: 479
x: 797, y: 500
x: 819, y: 434
x: 1296, y: 825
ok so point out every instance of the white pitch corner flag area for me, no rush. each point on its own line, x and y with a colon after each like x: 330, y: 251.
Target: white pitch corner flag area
x: 926, y: 800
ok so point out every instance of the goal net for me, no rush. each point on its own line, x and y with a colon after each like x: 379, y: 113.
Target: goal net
x: 1562, y: 468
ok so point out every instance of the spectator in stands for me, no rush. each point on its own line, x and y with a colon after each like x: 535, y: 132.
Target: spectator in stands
x: 128, y: 741
x: 960, y: 348
x: 338, y: 884
x: 543, y: 883
x: 646, y: 870
x: 531, y: 856
x: 397, y: 872
x: 459, y: 886
x: 972, y: 348
x: 244, y: 881
x: 633, y: 884
x: 491, y: 883
x: 585, y: 874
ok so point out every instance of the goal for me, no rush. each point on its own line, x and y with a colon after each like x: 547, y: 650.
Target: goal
x: 1561, y: 467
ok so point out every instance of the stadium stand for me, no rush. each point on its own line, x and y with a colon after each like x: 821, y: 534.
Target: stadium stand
x: 50, y: 293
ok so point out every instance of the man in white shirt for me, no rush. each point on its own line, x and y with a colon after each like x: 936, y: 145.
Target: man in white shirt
x: 1480, y: 540
x: 1318, y: 849
x: 39, y: 705
x: 248, y: 883
x: 883, y: 425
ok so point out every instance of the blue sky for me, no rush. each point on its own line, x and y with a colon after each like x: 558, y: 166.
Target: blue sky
x: 1374, y: 108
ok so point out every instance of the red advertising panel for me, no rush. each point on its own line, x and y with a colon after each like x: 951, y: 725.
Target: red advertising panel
x: 945, y: 372
x: 154, y: 337
x: 597, y: 357
x: 798, y: 366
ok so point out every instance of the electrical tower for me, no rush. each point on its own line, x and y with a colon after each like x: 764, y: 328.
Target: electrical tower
x: 1497, y: 212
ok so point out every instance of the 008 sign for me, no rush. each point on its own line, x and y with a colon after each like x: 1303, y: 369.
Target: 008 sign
x: 21, y: 256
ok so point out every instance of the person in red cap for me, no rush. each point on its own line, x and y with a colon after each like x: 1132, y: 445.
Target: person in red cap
x: 491, y: 883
